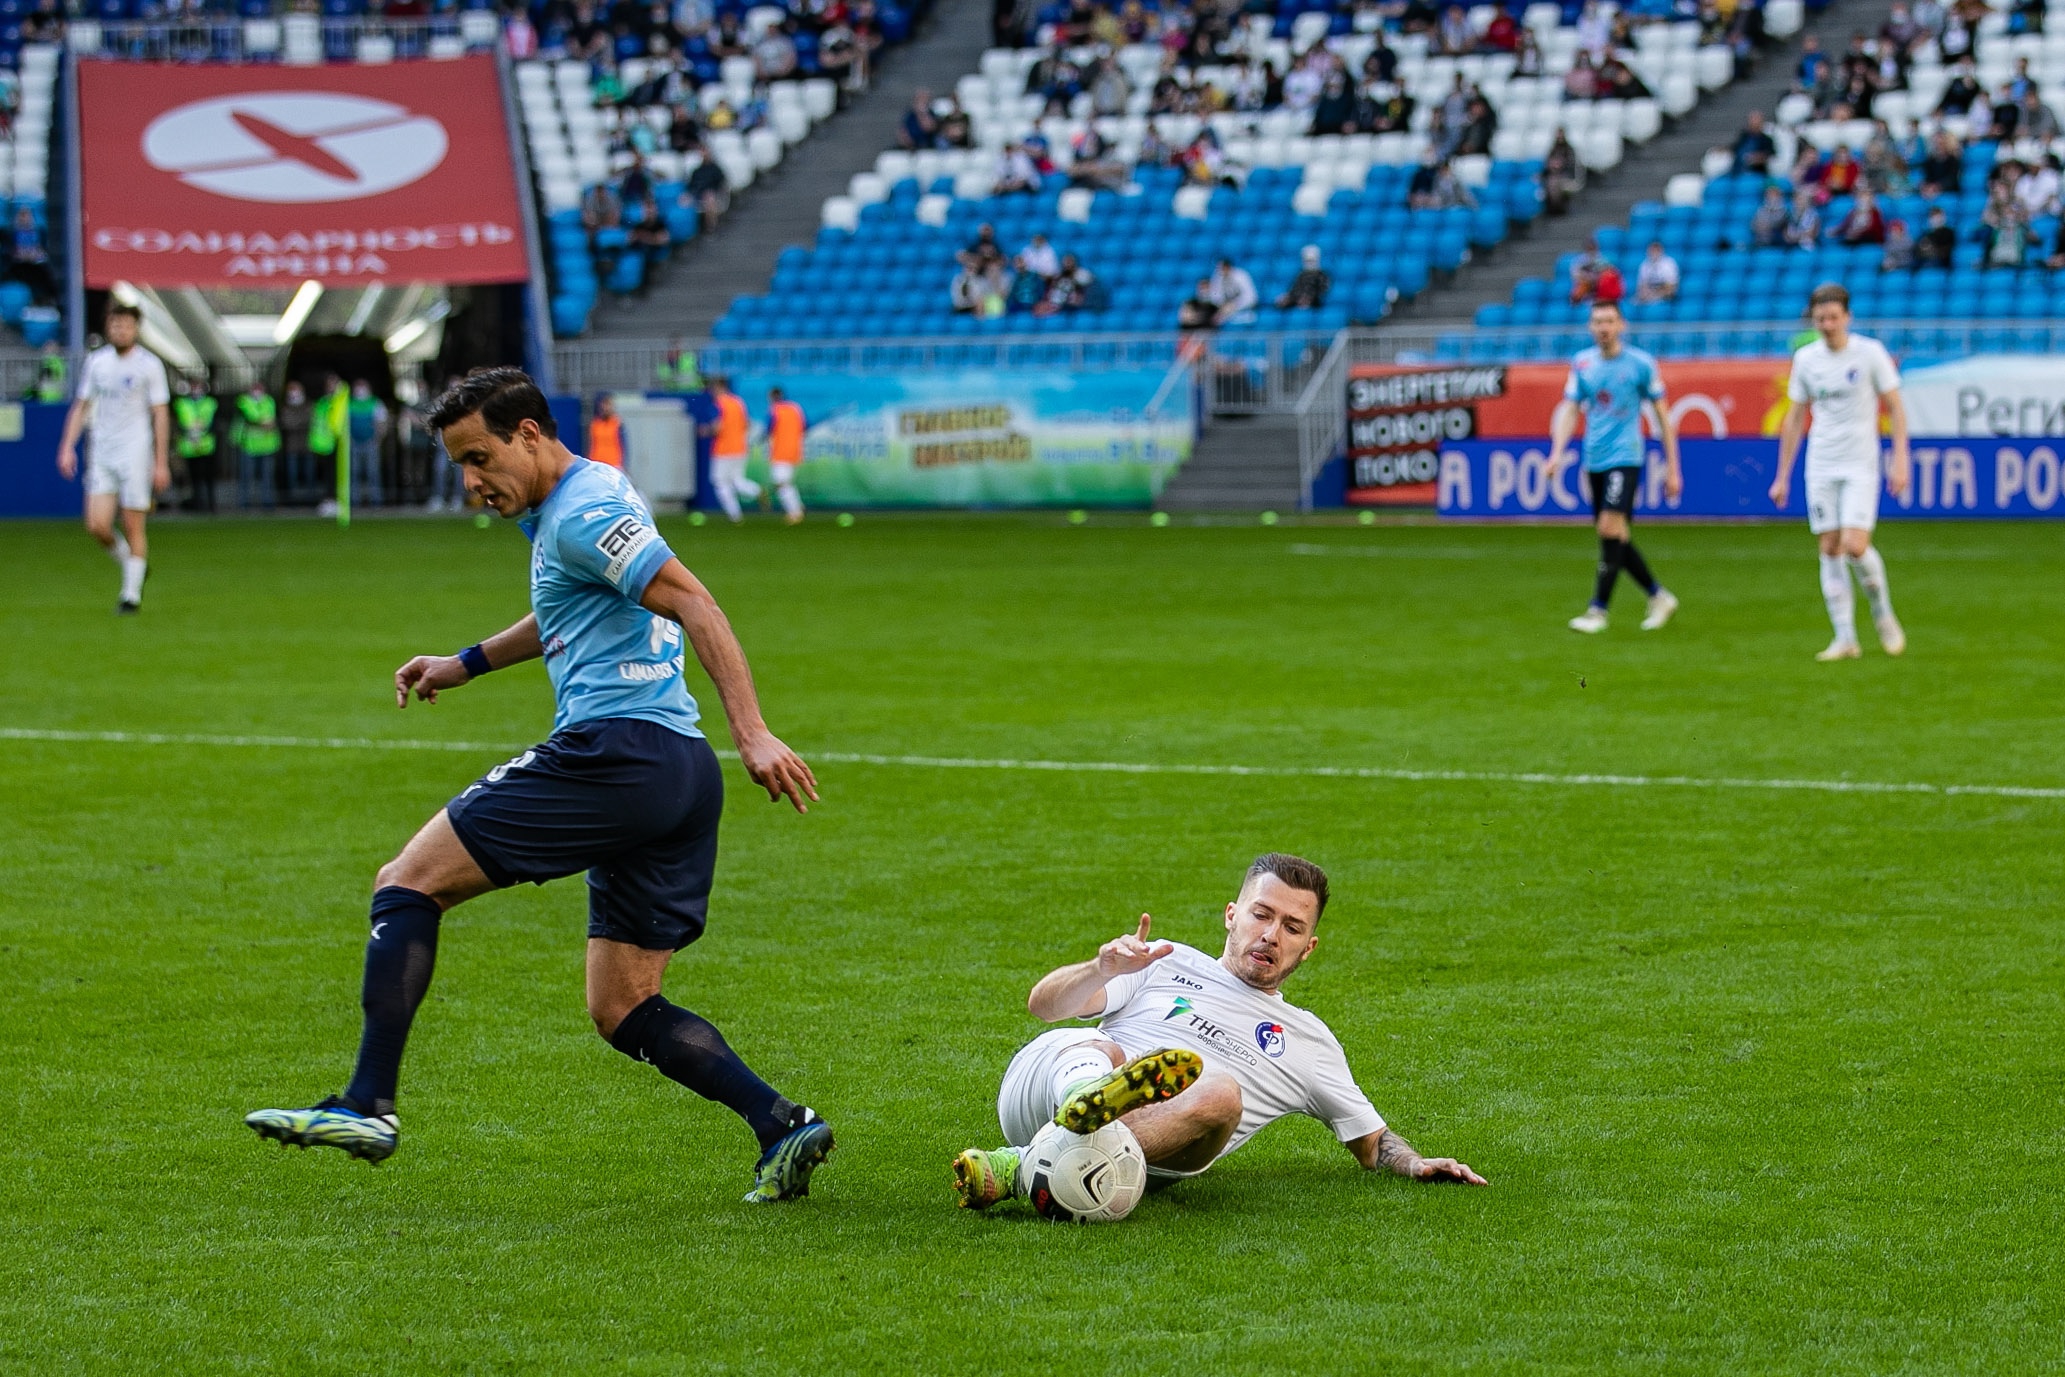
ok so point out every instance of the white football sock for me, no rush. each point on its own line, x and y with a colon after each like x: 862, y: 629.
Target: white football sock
x: 1842, y: 602
x: 792, y: 501
x: 723, y: 477
x: 1871, y: 572
x: 132, y: 579
x: 1084, y: 1062
x: 119, y: 551
x: 748, y: 489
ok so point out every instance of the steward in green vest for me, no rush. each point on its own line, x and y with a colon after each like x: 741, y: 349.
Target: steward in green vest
x: 678, y: 372
x: 193, y: 442
x: 326, y: 423
x: 256, y: 434
x: 51, y: 378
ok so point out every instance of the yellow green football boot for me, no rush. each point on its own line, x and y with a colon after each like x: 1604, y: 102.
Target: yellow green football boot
x: 1090, y: 1105
x: 981, y: 1178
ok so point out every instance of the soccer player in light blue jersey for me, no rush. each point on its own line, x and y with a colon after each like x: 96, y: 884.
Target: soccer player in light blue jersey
x: 1611, y: 386
x: 626, y: 788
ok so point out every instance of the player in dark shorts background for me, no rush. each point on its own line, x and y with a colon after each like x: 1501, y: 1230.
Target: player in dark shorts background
x: 626, y: 788
x: 1611, y: 385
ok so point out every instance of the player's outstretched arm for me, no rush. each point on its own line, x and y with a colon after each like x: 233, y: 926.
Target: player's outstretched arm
x: 68, y: 447
x: 1790, y: 432
x: 1077, y: 991
x: 1562, y: 425
x: 679, y: 596
x: 427, y: 675
x: 1386, y: 1151
x: 1898, y: 469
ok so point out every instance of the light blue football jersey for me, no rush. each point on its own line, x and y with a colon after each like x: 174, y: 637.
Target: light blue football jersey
x: 593, y: 551
x: 1611, y: 393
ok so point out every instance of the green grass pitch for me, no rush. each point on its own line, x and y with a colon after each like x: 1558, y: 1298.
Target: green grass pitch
x: 1765, y: 1080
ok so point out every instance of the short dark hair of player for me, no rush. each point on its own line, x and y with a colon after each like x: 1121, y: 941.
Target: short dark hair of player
x: 125, y: 308
x: 1613, y: 306
x: 776, y: 393
x: 1829, y: 292
x: 503, y: 398
x: 1295, y: 871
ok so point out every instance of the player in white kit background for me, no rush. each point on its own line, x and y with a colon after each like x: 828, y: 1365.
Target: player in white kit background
x: 125, y: 399
x: 1196, y: 1054
x: 1843, y: 379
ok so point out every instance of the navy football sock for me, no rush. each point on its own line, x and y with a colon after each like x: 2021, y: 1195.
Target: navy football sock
x: 687, y: 1048
x: 1611, y: 553
x: 400, y: 954
x: 1638, y: 568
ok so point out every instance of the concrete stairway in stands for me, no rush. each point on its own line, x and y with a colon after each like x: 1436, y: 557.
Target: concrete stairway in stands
x: 782, y: 206
x: 1641, y: 177
x: 1241, y: 464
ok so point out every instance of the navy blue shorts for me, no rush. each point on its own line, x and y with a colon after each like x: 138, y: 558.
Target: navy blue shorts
x: 1613, y: 490
x: 631, y: 802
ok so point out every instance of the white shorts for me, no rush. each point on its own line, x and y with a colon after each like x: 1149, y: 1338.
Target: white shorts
x: 126, y: 477
x: 784, y: 474
x: 1026, y: 1100
x: 1843, y: 501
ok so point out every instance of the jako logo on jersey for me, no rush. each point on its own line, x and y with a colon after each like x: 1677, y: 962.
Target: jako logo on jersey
x: 1182, y: 1007
x: 1269, y: 1037
x: 295, y: 147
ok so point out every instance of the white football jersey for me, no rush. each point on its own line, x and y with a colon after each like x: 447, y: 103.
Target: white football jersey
x: 1285, y: 1059
x: 1844, y: 389
x: 123, y: 391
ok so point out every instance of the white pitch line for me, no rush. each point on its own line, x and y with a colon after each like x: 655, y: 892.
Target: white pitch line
x: 1108, y: 767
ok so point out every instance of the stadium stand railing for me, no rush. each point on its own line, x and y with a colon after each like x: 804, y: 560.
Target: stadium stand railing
x: 1734, y: 281
x: 897, y: 227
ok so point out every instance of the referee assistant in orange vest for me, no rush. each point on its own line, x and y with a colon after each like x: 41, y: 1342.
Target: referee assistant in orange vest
x: 785, y: 427
x: 728, y: 450
x: 606, y: 433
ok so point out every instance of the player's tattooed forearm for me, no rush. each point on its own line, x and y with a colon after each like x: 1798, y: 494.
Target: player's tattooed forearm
x: 1395, y: 1154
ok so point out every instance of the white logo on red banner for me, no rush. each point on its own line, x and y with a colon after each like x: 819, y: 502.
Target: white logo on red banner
x: 295, y: 147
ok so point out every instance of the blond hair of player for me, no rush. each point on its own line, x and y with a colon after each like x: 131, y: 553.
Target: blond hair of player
x: 1843, y: 379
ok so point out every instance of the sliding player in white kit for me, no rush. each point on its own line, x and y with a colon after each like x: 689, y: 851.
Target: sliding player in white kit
x: 1195, y: 1054
x: 1843, y: 378
x: 125, y: 398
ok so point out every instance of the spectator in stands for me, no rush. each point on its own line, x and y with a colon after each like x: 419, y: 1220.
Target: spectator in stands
x: 1943, y: 171
x: 2038, y: 121
x: 1308, y: 289
x: 1502, y: 35
x: 1900, y: 28
x: 1865, y: 223
x: 1899, y: 254
x: 1453, y: 35
x: 2021, y: 82
x: 774, y: 53
x: 1594, y: 278
x: 1581, y: 82
x: 918, y: 128
x: 2008, y: 235
x: 601, y: 210
x: 1039, y: 259
x: 1443, y: 189
x: 1232, y: 292
x: 708, y: 190
x: 1017, y: 171
x: 982, y: 250
x: 1803, y: 226
x: 1839, y: 175
x: 1389, y: 110
x: 1594, y: 31
x: 1768, y: 225
x: 1479, y: 130
x: 1527, y: 58
x: 1563, y: 175
x: 1885, y: 170
x: 683, y: 133
x: 1754, y: 148
x: 519, y: 36
x: 2039, y: 186
x: 1067, y: 290
x: 1617, y: 81
x: 1096, y: 164
x: 955, y: 128
x: 1961, y: 90
x: 1334, y: 112
x: 1938, y: 242
x: 1382, y: 62
x: 1657, y: 277
x: 649, y: 231
x: 1205, y: 162
x: 1198, y: 311
x: 28, y: 260
x: 1302, y: 84
x: 981, y: 288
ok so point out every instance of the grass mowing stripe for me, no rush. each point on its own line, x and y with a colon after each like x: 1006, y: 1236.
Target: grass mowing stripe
x: 1116, y: 767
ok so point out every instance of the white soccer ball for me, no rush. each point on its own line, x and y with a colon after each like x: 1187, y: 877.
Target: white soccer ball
x: 1086, y: 1178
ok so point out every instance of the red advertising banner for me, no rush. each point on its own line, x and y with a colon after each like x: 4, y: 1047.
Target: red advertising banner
x: 1399, y: 417
x: 199, y: 176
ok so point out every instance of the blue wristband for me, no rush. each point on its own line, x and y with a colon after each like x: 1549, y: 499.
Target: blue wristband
x: 476, y: 661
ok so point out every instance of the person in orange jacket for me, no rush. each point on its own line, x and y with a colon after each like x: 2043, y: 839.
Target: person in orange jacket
x: 785, y: 431
x: 606, y: 433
